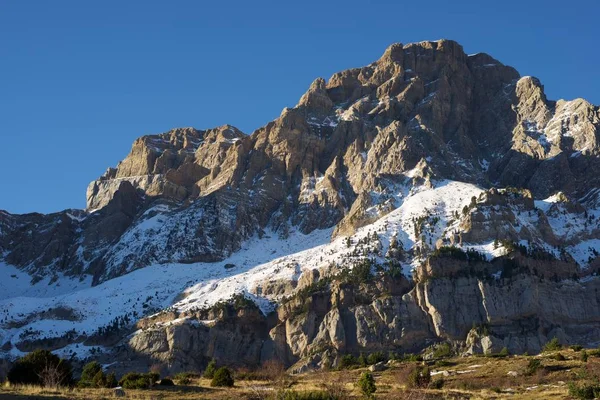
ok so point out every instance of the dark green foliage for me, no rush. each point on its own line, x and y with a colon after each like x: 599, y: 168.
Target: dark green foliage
x: 166, y: 382
x: 90, y: 370
x: 376, y: 357
x: 99, y: 380
x: 584, y: 356
x: 210, y: 370
x: 236, y: 303
x: 93, y: 376
x: 362, y: 360
x: 553, y: 345
x: 576, y: 347
x: 393, y: 269
x: 420, y: 377
x: 359, y: 273
x: 437, y: 384
x: 348, y: 361
x: 293, y: 395
x: 450, y: 252
x: 412, y: 357
x: 185, y: 378
x: 559, y: 357
x: 501, y: 354
x: 34, y: 369
x: 111, y: 380
x: 442, y: 350
x: 533, y: 365
x: 456, y: 253
x: 135, y: 380
x: 222, y: 378
x: 366, y: 384
x: 585, y: 391
x: 444, y: 363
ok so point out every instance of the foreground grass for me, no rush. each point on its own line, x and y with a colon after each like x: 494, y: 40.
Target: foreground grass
x: 463, y: 378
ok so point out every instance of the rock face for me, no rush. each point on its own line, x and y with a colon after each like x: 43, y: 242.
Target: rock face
x: 353, y: 153
x: 424, y: 105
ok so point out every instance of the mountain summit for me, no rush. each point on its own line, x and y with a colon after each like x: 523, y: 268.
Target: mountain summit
x: 471, y: 197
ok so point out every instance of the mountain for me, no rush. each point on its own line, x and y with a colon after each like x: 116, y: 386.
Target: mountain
x: 429, y: 196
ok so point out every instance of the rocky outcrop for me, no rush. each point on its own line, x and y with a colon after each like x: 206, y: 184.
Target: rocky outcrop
x: 483, y: 307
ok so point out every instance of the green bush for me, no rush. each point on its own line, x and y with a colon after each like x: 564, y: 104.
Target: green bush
x: 584, y: 356
x: 136, y: 380
x: 503, y: 352
x: 366, y: 384
x: 585, y: 391
x: 111, y: 380
x: 222, y: 377
x: 553, y: 345
x: 88, y: 375
x: 559, y: 357
x: 412, y: 357
x: 576, y: 347
x: 442, y: 350
x: 185, y: 378
x: 437, y: 384
x: 41, y: 367
x: 420, y: 377
x: 312, y: 395
x: 348, y: 361
x: 374, y: 358
x: 533, y: 365
x: 210, y: 370
x: 99, y: 380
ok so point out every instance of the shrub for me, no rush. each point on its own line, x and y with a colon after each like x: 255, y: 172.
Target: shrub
x: 41, y: 367
x: 185, y: 378
x: 166, y: 382
x: 210, y: 370
x: 442, y: 350
x: 336, y: 390
x: 533, y: 365
x: 222, y: 377
x: 366, y: 384
x: 584, y: 356
x: 111, y: 380
x: 293, y: 395
x: 99, y: 380
x: 503, y: 352
x: 576, y: 347
x: 553, y: 345
x: 412, y: 357
x: 347, y: 361
x: 443, y: 363
x: 559, y: 357
x: 585, y: 391
x: 374, y: 358
x: 420, y: 377
x: 88, y: 374
x: 362, y: 360
x: 136, y: 380
x: 437, y: 384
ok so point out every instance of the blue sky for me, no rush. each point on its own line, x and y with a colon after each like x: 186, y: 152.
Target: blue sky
x: 80, y: 80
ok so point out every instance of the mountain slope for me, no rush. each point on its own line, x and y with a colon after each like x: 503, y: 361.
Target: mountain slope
x: 394, y: 165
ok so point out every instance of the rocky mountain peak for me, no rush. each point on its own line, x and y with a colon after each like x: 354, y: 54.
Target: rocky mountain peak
x: 392, y: 201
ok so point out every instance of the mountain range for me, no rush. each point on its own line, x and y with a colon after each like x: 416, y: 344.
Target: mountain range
x: 430, y: 196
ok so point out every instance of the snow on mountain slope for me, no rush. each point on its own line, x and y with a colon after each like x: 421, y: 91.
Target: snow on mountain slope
x: 426, y: 213
x: 260, y: 260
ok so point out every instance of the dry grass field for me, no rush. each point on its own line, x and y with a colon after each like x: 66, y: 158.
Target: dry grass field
x: 453, y: 378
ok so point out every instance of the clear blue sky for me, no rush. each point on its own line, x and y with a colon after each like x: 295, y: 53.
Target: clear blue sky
x: 80, y: 80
